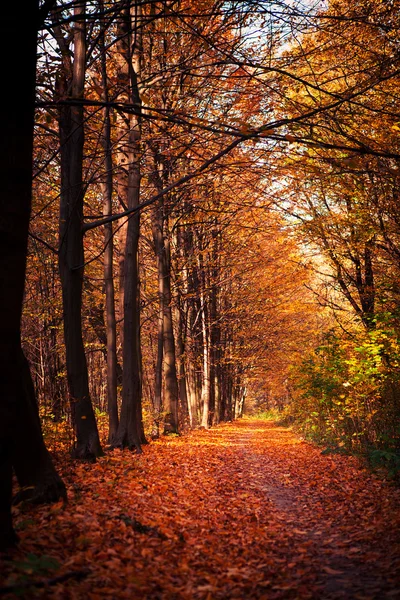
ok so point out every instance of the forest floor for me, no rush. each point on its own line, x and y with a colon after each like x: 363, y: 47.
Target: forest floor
x: 245, y: 510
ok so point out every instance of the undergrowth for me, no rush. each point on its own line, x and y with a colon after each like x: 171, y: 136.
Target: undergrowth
x: 346, y: 397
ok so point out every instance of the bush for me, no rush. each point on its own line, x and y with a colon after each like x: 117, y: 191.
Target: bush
x: 347, y: 392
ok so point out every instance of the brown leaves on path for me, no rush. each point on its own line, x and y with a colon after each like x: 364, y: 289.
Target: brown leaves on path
x: 245, y: 510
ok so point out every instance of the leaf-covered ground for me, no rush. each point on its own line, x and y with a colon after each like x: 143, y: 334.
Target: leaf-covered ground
x: 245, y: 510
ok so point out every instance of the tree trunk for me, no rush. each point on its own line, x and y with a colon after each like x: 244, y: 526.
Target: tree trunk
x: 32, y: 463
x: 157, y: 404
x: 170, y: 376
x: 123, y: 153
x: 162, y: 249
x: 180, y: 356
x: 215, y: 334
x: 130, y: 431
x: 191, y: 288
x: 205, y: 329
x: 20, y: 433
x: 71, y: 255
x: 107, y: 190
x: 206, y: 381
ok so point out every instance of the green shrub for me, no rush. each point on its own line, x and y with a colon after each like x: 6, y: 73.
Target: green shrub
x: 347, y: 392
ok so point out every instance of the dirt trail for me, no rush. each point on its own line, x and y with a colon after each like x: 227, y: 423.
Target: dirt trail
x: 245, y: 510
x: 345, y: 519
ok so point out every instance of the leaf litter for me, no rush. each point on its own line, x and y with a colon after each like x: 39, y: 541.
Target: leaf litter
x: 244, y: 510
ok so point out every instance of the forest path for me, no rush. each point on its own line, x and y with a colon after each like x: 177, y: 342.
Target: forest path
x: 245, y: 510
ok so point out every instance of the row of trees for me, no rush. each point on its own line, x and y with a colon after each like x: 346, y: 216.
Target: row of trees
x: 187, y: 158
x: 345, y: 202
x: 142, y: 109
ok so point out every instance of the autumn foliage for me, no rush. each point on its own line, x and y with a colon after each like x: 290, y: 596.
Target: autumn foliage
x: 260, y: 162
x: 214, y: 234
x: 245, y: 510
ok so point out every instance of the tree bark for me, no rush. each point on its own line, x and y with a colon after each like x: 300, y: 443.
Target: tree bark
x: 18, y: 415
x: 180, y: 356
x: 206, y: 381
x: 157, y: 403
x: 206, y: 351
x: 71, y: 254
x: 193, y: 333
x: 162, y: 250
x: 130, y: 431
x: 171, y: 380
x: 107, y: 190
x: 32, y: 463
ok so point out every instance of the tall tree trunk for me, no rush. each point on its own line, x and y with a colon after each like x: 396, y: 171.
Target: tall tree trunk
x: 170, y: 376
x: 71, y: 254
x: 215, y: 334
x: 162, y: 249
x: 222, y: 387
x: 193, y: 401
x: 130, y: 431
x: 191, y: 289
x: 239, y: 394
x: 157, y: 404
x: 206, y: 381
x: 228, y: 404
x: 31, y: 461
x: 180, y: 356
x: 53, y: 373
x: 20, y: 433
x: 206, y: 350
x: 107, y: 190
x: 123, y: 58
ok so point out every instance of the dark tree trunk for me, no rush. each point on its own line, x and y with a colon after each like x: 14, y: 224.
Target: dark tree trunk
x: 157, y: 231
x: 18, y: 415
x: 193, y: 348
x: 161, y: 245
x: 180, y: 356
x: 215, y: 328
x: 71, y: 254
x: 23, y: 448
x: 54, y: 381
x: 206, y: 381
x: 130, y: 431
x: 171, y: 393
x: 111, y: 328
x: 157, y: 403
x: 206, y: 343
x: 123, y: 150
x: 107, y: 190
x: 32, y: 463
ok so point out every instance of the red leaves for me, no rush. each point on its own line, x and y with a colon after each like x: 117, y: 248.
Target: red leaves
x: 241, y: 511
